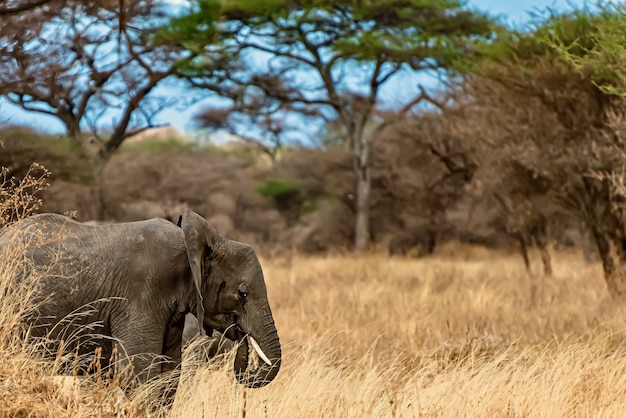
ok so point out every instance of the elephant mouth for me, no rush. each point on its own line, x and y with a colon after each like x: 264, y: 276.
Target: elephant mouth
x: 235, y: 333
x: 226, y: 324
x: 266, y: 348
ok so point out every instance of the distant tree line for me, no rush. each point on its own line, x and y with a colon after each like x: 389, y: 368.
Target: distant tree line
x: 528, y: 119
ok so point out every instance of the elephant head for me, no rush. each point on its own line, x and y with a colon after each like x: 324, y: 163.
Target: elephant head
x: 231, y: 297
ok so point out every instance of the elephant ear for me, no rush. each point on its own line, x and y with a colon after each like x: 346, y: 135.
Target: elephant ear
x: 200, y: 237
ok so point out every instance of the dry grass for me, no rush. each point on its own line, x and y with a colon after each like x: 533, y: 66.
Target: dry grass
x: 374, y: 336
x: 19, y: 198
x: 379, y: 336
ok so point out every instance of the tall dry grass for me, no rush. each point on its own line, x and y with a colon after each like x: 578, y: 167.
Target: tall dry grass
x: 374, y: 336
x: 391, y: 337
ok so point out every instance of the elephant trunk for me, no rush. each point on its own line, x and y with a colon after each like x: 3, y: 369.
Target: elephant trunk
x: 267, y: 346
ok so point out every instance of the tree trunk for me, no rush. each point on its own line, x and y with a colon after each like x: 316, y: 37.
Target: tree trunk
x: 588, y: 245
x: 97, y: 162
x: 360, y: 152
x: 544, y: 245
x: 546, y: 258
x: 98, y: 188
x: 612, y: 250
x: 362, y: 210
x: 523, y: 246
x: 72, y: 129
x: 432, y: 241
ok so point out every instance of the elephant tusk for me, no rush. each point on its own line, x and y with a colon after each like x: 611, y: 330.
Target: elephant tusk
x: 258, y: 350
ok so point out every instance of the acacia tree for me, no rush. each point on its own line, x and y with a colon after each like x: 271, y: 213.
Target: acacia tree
x: 93, y: 65
x: 333, y: 56
x: 598, y: 58
x: 559, y: 126
x: 90, y: 64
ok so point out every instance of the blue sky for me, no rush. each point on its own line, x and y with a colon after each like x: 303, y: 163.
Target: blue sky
x: 516, y: 10
x: 513, y: 11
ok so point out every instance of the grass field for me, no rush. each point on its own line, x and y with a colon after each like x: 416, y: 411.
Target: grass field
x: 465, y: 333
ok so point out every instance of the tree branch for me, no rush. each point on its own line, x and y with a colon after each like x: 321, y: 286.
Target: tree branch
x: 276, y: 52
x: 11, y: 10
x: 25, y: 104
x: 119, y: 133
x: 401, y: 114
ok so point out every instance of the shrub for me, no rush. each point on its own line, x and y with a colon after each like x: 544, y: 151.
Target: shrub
x: 290, y: 197
x: 279, y: 188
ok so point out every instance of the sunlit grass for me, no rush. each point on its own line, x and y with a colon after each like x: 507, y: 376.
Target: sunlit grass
x: 375, y: 336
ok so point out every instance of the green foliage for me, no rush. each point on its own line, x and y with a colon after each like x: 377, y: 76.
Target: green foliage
x: 400, y: 31
x: 421, y: 34
x: 279, y: 188
x: 589, y: 42
x: 290, y: 196
x: 194, y: 30
x: 598, y: 50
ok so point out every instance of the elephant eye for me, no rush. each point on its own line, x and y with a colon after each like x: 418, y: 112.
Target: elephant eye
x: 243, y: 295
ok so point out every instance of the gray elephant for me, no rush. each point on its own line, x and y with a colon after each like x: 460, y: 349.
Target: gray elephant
x: 139, y: 280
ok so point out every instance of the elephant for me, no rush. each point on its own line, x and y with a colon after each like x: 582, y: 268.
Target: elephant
x: 139, y: 281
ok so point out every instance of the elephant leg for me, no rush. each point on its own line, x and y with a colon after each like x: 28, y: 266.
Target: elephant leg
x: 172, y: 346
x: 138, y: 343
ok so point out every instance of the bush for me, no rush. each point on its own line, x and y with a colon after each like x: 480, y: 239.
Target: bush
x: 289, y: 197
x: 279, y: 188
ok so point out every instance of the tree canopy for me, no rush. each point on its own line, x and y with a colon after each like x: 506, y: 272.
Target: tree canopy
x: 597, y: 48
x: 322, y: 61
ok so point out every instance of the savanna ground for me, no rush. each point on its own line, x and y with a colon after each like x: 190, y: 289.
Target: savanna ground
x: 463, y: 333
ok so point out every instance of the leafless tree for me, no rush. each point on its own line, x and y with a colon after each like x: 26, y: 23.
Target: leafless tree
x: 92, y: 64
